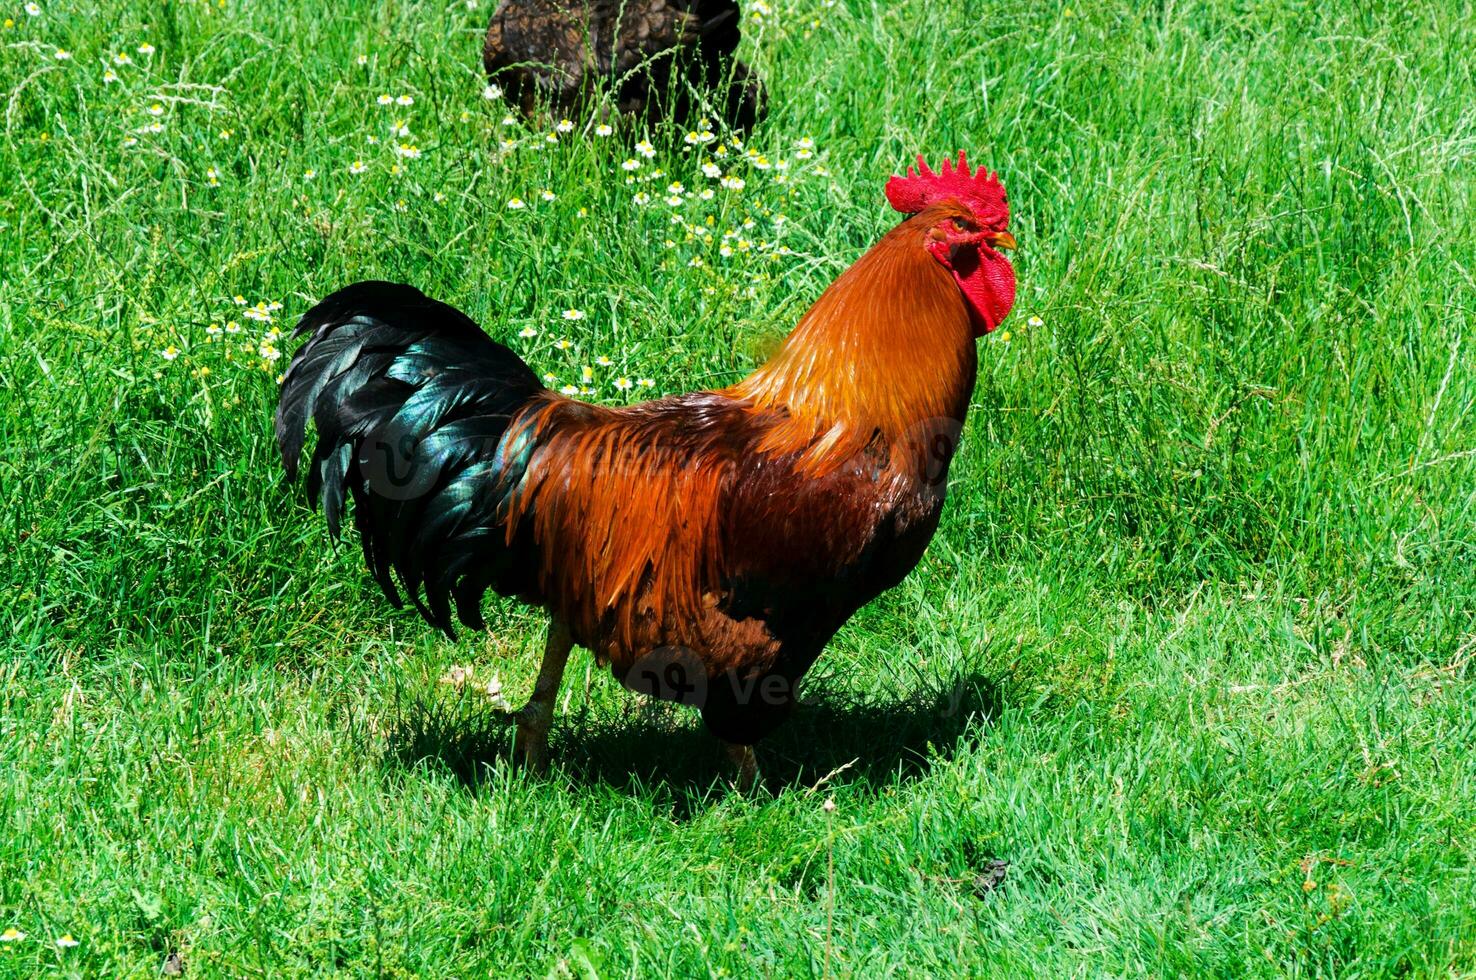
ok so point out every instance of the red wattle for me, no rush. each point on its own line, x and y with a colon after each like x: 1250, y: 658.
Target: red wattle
x: 986, y: 279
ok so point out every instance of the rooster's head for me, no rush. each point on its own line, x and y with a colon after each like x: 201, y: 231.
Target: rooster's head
x: 967, y: 214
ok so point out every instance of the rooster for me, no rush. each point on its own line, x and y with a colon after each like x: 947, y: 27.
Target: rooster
x: 648, y: 53
x: 704, y: 546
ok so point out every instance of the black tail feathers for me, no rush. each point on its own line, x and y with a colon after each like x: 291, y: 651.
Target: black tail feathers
x: 411, y: 400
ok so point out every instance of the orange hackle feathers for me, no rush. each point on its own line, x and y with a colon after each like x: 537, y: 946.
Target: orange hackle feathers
x: 879, y: 351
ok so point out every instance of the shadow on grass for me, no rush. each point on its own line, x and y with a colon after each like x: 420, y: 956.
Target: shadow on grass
x: 651, y: 745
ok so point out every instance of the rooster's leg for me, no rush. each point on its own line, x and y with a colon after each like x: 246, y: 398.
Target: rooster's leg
x: 535, y: 717
x: 746, y: 760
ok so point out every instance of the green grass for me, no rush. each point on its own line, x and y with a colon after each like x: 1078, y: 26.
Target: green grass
x: 1192, y: 649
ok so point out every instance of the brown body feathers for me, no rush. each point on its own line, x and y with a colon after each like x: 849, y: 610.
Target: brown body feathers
x: 649, y: 56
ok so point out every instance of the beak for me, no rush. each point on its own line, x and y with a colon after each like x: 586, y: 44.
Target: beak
x: 999, y: 239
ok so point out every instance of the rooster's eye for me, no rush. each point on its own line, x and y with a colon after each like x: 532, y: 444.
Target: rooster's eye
x: 959, y: 224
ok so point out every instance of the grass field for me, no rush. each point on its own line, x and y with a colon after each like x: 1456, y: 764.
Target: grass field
x: 1192, y: 651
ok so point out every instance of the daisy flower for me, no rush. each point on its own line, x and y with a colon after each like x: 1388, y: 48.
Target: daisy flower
x: 33, y: 10
x: 62, y: 55
x: 492, y: 92
x: 362, y: 60
x: 156, y: 109
x: 587, y: 373
x: 1035, y: 321
x: 516, y: 204
x: 712, y: 170
x: 404, y: 100
x: 572, y: 314
x: 309, y: 174
x: 549, y: 379
x: 548, y: 195
x: 631, y: 164
x: 12, y: 935
x: 109, y: 77
x: 528, y: 332
x: 121, y: 58
x: 733, y: 183
x: 564, y: 126
x: 385, y: 99
x: 563, y: 343
x: 603, y: 361
x: 146, y: 48
x: 623, y: 384
x: 645, y: 149
x: 568, y: 390
x: 357, y: 167
x: 604, y: 129
x: 169, y: 353
x: 646, y: 383
x: 66, y: 941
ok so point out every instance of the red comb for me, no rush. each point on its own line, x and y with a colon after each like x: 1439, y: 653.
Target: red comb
x: 980, y: 191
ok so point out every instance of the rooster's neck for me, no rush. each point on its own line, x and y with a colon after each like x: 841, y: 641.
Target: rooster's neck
x: 888, y: 347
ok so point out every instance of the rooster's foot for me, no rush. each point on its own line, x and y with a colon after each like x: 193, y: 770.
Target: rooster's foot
x: 530, y: 745
x: 746, y: 760
x: 534, y: 719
